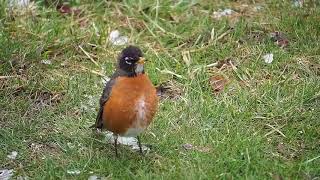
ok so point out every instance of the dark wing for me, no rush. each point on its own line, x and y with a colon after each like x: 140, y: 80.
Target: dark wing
x: 103, y: 99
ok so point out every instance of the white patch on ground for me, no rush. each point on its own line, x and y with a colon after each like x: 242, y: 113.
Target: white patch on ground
x: 93, y: 177
x: 132, y: 142
x: 22, y: 7
x: 133, y: 132
x: 257, y: 8
x: 298, y: 3
x: 13, y: 155
x: 5, y: 174
x: 74, y: 172
x: 116, y: 39
x: 46, y: 61
x: 221, y: 13
x: 268, y: 58
x: 19, y: 3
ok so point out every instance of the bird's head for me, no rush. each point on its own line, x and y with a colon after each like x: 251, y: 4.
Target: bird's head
x: 131, y: 61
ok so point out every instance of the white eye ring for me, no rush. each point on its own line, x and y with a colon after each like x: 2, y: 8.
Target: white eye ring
x: 126, y: 59
x: 128, y: 62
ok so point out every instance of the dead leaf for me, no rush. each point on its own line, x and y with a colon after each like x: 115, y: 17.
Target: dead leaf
x: 217, y: 82
x: 83, y: 22
x: 279, y: 39
x: 132, y: 142
x: 66, y: 9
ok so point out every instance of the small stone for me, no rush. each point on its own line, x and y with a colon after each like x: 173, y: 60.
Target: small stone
x: 13, y: 155
x: 5, y: 174
x: 46, y: 61
x: 74, y: 172
x: 187, y: 146
x: 93, y: 177
x: 268, y: 58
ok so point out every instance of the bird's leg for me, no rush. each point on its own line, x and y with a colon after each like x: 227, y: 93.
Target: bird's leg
x: 115, y: 136
x: 139, y: 143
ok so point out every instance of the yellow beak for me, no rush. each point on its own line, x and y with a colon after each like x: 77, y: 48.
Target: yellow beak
x: 141, y: 60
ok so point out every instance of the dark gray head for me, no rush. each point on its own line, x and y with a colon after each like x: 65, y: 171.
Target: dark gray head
x: 131, y: 61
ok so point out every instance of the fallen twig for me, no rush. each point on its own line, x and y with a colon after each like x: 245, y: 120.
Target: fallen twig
x: 7, y: 77
x: 274, y: 130
x: 88, y: 55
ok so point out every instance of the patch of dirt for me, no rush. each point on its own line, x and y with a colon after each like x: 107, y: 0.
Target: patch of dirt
x: 131, y: 22
x: 309, y: 65
x: 169, y: 90
x: 279, y: 39
x: 237, y: 10
x: 217, y: 83
x: 290, y: 152
x: 189, y: 147
x: 40, y: 150
x: 256, y: 36
x: 43, y: 99
x: 18, y: 65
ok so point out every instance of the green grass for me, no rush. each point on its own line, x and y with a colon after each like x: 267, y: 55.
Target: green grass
x: 46, y: 109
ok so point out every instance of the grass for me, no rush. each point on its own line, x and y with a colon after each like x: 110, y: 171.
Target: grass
x: 264, y: 124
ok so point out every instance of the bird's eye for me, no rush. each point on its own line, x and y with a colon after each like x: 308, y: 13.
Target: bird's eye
x: 127, y: 60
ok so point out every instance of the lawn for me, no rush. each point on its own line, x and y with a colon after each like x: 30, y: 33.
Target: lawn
x: 227, y: 111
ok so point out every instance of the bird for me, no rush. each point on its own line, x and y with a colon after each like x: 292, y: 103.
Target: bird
x: 129, y: 100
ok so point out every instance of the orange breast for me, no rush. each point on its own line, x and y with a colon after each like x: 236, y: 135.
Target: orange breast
x: 132, y: 104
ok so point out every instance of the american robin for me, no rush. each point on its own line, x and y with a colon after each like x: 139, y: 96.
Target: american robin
x: 129, y: 100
